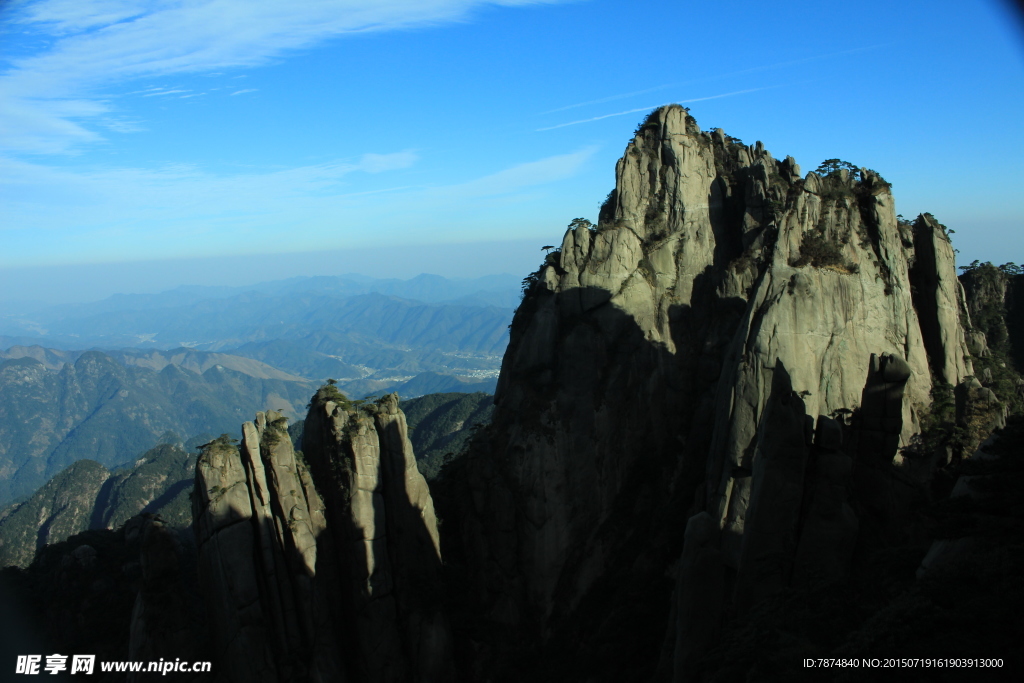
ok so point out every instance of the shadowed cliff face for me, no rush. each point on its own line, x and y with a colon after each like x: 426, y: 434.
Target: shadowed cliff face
x: 675, y: 361
x: 326, y: 570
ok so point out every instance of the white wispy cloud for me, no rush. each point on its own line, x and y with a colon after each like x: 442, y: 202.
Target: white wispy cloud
x: 377, y: 163
x: 121, y: 125
x: 141, y: 213
x: 639, y: 109
x: 611, y: 98
x: 24, y: 129
x: 530, y: 174
x: 239, y: 92
x: 101, y: 43
x: 155, y: 93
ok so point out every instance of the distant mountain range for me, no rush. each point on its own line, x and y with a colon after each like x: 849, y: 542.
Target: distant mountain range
x: 59, y: 407
x: 20, y: 319
x: 371, y: 335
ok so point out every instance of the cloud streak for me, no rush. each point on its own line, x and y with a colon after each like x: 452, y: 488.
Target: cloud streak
x: 101, y: 43
x: 612, y: 98
x: 639, y: 109
x: 742, y: 72
x: 530, y: 174
x: 163, y: 92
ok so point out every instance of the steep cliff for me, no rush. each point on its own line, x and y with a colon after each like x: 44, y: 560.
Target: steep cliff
x: 120, y: 594
x: 326, y: 571
x: 733, y: 339
x: 995, y: 299
x: 166, y: 623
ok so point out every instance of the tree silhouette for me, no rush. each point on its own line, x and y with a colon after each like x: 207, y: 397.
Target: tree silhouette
x: 833, y: 166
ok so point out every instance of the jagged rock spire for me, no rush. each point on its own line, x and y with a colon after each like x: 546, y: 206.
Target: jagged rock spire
x: 644, y: 361
x: 326, y: 571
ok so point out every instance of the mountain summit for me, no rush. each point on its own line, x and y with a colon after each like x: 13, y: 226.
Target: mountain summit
x: 722, y: 382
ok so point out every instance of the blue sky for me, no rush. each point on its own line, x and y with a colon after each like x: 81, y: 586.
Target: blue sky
x: 149, y: 144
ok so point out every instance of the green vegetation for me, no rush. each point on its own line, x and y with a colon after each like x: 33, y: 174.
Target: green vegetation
x: 734, y: 142
x: 947, y: 435
x: 223, y: 441
x: 440, y: 426
x: 989, y: 288
x: 580, y: 223
x: 818, y: 251
x: 938, y: 422
x: 1010, y: 268
x: 329, y: 391
x: 88, y: 496
x: 650, y: 122
x: 276, y: 431
x: 987, y: 283
x: 295, y: 433
x: 160, y: 485
x: 835, y: 188
x: 745, y: 261
x: 71, y: 615
x: 530, y: 280
x: 75, y: 602
x: 99, y: 409
x: 832, y: 168
x: 607, y: 211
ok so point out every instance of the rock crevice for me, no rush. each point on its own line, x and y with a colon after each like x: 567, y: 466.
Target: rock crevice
x: 324, y: 564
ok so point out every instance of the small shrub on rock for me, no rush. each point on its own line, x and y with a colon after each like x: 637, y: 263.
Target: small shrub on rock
x: 817, y: 251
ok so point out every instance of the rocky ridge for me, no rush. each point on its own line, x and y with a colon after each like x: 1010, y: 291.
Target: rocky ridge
x: 326, y: 570
x: 735, y: 343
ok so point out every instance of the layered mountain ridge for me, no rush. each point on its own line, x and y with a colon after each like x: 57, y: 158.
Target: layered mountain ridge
x: 88, y: 496
x: 370, y: 335
x: 57, y: 408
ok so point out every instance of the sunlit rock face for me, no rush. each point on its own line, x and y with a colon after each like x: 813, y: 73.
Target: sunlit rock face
x: 321, y: 565
x: 675, y: 360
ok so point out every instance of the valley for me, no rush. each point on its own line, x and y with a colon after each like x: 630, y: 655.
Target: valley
x: 267, y: 346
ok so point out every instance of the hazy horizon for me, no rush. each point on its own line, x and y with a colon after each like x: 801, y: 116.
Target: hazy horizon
x: 457, y: 136
x: 84, y: 283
